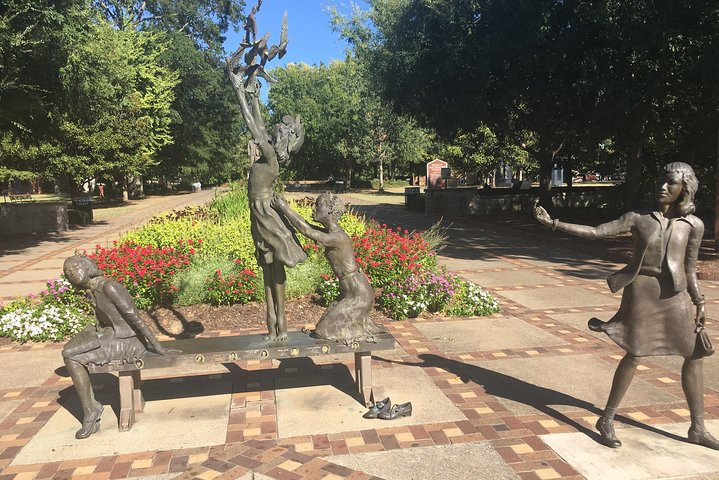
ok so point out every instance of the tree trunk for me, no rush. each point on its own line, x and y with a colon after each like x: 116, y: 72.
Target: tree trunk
x: 546, y: 163
x: 381, y: 174
x: 125, y: 194
x: 632, y: 182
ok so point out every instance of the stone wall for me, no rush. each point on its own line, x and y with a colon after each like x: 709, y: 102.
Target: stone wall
x: 471, y: 201
x: 20, y: 218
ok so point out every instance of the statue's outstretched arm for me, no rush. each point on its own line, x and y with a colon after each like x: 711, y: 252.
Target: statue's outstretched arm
x: 298, y: 222
x: 615, y: 227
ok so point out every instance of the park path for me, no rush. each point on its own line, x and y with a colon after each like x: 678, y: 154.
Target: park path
x: 27, y: 262
x: 510, y: 396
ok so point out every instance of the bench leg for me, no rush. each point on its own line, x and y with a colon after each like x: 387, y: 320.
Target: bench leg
x: 363, y: 376
x: 131, y: 399
x: 137, y: 397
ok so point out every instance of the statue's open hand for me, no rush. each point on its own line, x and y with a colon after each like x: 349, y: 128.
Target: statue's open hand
x: 278, y: 201
x: 541, y: 215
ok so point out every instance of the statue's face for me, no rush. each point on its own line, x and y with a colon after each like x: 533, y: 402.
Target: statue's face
x: 77, y: 273
x: 669, y: 188
x: 321, y: 212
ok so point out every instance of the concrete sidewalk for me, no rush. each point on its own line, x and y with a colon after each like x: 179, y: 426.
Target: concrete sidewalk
x: 27, y: 263
x: 510, y: 396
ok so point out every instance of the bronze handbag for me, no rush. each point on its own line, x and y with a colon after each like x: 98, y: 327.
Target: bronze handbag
x: 704, y: 347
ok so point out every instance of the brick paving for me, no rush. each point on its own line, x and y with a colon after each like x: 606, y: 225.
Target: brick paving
x: 252, y: 443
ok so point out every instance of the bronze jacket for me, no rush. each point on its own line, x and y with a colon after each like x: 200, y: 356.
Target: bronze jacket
x: 681, y: 249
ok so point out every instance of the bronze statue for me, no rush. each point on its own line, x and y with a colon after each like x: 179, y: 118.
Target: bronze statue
x: 276, y: 245
x: 119, y: 334
x: 347, y: 320
x: 655, y: 317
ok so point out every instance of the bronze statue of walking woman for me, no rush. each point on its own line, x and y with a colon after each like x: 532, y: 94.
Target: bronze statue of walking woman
x: 655, y: 316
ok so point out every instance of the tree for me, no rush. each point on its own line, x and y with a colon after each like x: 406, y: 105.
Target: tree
x: 569, y: 75
x: 206, y: 126
x: 348, y: 128
x: 114, y: 110
x: 481, y: 152
x: 205, y: 21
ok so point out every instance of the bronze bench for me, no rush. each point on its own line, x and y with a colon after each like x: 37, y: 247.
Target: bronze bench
x: 231, y: 349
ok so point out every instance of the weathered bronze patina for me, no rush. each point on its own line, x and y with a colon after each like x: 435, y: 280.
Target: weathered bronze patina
x: 655, y: 316
x: 119, y: 334
x: 276, y: 245
x: 348, y: 320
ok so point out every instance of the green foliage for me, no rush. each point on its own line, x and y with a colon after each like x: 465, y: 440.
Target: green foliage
x: 233, y: 204
x: 305, y: 278
x: 553, y: 82
x: 115, y: 104
x: 328, y: 289
x: 470, y: 300
x: 192, y: 282
x: 206, y: 128
x: 60, y: 293
x: 238, y: 285
x: 350, y: 132
x: 41, y: 323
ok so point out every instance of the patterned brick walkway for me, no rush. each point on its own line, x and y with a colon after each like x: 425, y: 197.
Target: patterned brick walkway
x: 252, y: 443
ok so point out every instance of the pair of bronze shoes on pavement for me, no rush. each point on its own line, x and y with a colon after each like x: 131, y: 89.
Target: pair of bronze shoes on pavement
x: 386, y: 411
x: 609, y: 438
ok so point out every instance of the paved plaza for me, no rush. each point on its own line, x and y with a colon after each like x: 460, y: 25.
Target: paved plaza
x: 511, y: 396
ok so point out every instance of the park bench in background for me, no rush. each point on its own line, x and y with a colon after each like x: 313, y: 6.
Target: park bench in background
x: 21, y: 197
x: 231, y: 349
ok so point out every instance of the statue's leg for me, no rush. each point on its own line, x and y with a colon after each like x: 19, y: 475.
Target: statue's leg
x: 271, y: 315
x: 279, y: 278
x: 91, y: 408
x: 620, y: 384
x: 693, y: 386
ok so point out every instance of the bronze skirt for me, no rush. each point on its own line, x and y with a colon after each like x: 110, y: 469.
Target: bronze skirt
x: 653, y: 320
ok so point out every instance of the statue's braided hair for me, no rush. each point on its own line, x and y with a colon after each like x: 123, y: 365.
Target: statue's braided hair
x: 335, y: 204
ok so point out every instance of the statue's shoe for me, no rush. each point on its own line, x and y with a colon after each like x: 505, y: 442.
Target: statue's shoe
x: 402, y: 410
x: 377, y: 408
x: 705, y: 439
x: 91, y: 422
x: 595, y: 324
x: 606, y: 431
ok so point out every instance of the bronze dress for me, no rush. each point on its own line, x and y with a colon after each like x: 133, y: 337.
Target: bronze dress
x: 111, y: 338
x: 274, y: 238
x: 655, y: 316
x: 350, y: 318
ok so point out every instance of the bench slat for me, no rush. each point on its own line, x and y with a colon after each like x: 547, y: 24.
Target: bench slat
x: 244, y: 347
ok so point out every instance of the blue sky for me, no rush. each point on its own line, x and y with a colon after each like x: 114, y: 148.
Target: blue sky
x: 311, y: 39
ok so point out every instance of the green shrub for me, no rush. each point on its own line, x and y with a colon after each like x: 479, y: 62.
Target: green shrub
x: 305, y: 278
x: 191, y: 283
x: 233, y: 204
x: 470, y: 300
x: 23, y: 322
x: 328, y: 289
x: 237, y: 285
x: 60, y: 293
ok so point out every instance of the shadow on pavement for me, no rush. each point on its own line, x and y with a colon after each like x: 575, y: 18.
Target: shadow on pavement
x: 504, y: 386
